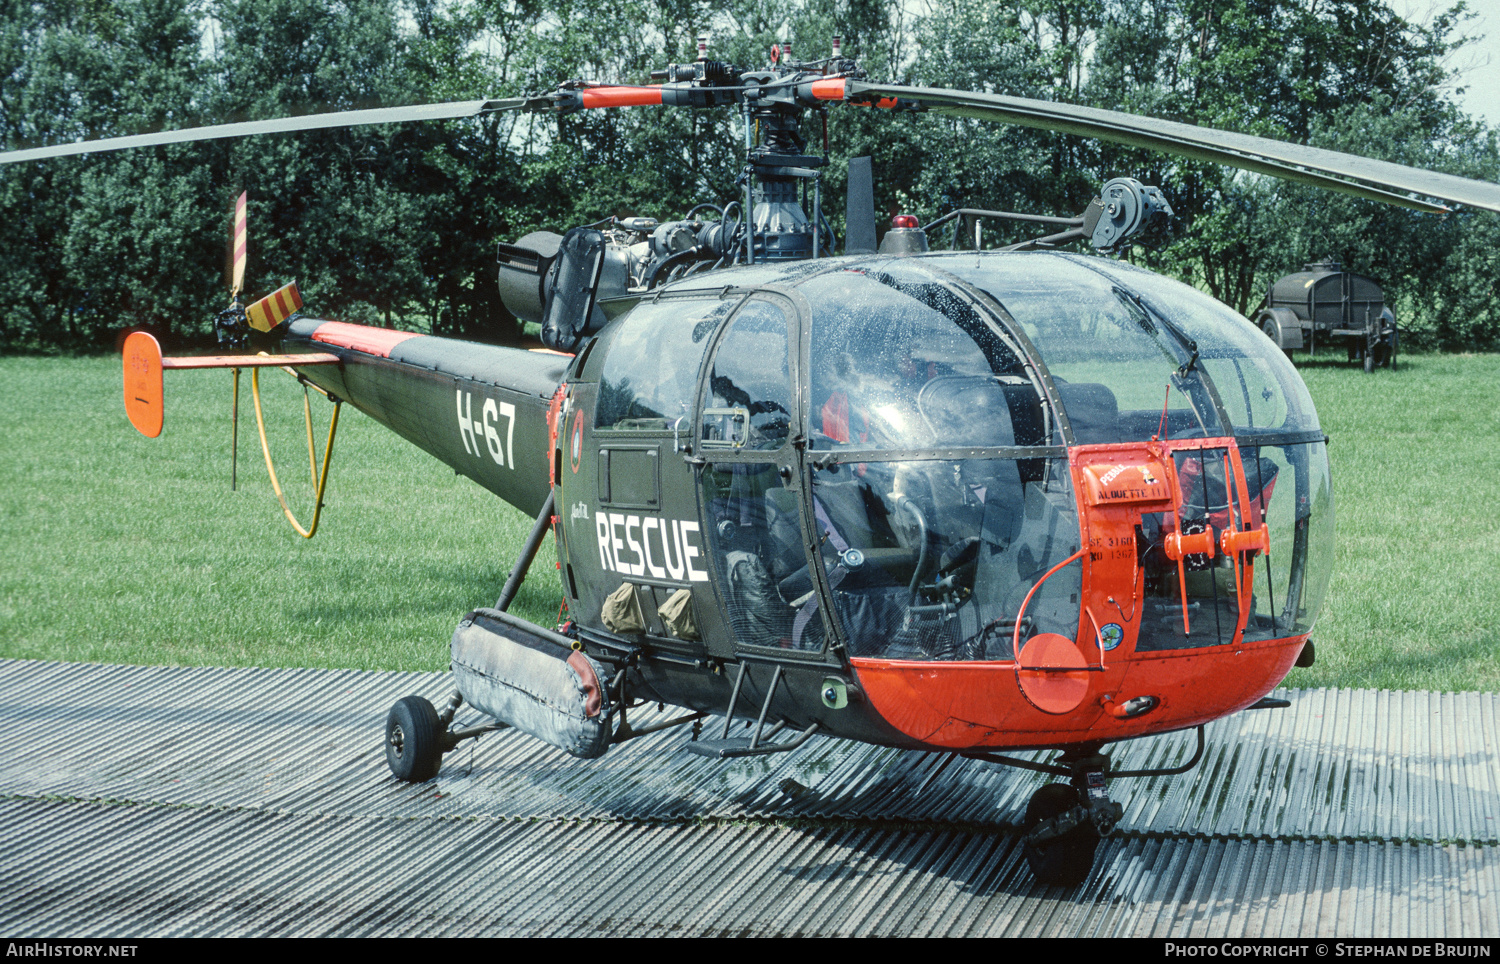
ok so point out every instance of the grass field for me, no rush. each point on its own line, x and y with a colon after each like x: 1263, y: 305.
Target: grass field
x: 123, y: 549
x: 120, y: 548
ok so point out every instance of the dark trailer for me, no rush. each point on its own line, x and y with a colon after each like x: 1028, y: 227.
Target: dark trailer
x: 1325, y: 303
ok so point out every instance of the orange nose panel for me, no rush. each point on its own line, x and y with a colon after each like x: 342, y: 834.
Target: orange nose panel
x: 961, y: 705
x: 1052, y: 673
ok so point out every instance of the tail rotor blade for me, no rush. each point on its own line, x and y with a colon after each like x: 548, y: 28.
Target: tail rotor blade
x: 274, y: 308
x: 239, y: 247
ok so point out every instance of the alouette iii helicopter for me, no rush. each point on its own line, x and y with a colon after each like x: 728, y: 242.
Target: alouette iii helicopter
x: 963, y: 502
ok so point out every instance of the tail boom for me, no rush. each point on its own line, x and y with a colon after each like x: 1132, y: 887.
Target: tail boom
x: 481, y: 409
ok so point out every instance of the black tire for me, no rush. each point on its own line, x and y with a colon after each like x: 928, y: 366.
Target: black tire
x: 1369, y: 362
x: 1385, y: 350
x: 413, y: 740
x: 1269, y: 327
x: 1064, y: 860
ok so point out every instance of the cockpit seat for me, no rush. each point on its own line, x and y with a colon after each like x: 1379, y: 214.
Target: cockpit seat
x: 1092, y: 411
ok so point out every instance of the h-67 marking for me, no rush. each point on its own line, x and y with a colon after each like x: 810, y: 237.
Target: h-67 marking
x: 471, y: 430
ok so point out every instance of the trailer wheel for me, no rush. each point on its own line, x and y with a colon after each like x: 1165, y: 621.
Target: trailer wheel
x: 1273, y: 332
x: 1385, y: 350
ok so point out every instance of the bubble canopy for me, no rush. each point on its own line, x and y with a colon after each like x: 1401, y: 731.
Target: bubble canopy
x: 940, y: 397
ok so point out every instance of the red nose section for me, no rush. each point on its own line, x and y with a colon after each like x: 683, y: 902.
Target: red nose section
x: 1098, y: 685
x: 993, y: 705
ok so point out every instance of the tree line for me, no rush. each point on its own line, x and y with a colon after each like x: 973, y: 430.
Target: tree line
x: 396, y: 225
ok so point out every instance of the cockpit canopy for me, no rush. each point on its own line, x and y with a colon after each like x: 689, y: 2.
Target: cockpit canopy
x: 937, y: 399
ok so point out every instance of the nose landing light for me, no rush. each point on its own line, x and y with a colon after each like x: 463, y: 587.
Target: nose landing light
x: 1132, y: 708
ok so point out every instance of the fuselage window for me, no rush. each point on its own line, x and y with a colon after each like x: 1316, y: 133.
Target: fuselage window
x: 650, y: 372
x: 748, y: 400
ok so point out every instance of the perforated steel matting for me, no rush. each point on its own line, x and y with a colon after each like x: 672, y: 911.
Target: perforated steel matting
x: 158, y: 801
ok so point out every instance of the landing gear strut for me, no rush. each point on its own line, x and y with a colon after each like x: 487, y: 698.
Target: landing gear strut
x: 1064, y: 821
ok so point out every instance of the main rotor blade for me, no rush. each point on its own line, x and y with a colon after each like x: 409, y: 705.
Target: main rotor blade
x: 308, y: 122
x: 1294, y: 162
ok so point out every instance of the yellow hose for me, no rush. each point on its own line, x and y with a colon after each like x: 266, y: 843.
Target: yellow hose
x: 322, y: 479
x: 312, y: 461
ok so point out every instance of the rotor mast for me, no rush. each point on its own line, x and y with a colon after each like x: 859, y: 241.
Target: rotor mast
x: 772, y: 101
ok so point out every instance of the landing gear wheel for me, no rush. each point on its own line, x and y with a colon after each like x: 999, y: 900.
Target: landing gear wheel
x: 413, y: 740
x: 1064, y: 860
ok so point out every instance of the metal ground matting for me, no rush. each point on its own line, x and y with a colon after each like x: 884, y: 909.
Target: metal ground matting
x: 158, y: 801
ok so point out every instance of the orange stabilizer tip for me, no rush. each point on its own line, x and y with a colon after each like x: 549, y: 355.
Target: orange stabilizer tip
x: 274, y: 308
x: 141, y: 356
x: 1252, y: 540
x: 1179, y: 545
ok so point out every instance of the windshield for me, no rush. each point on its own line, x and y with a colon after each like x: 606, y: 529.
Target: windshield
x: 1258, y: 386
x: 903, y: 359
x: 1122, y: 374
x: 938, y: 559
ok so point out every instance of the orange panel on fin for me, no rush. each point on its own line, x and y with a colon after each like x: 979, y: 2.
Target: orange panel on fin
x: 141, y: 356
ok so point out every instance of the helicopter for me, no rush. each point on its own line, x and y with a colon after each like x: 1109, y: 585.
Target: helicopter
x: 971, y: 502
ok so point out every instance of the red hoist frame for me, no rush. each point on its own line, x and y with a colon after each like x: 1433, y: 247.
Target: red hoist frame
x: 1117, y: 484
x: 1120, y: 483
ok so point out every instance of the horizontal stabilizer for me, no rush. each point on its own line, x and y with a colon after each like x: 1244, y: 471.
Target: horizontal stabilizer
x: 143, y: 365
x: 249, y: 361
